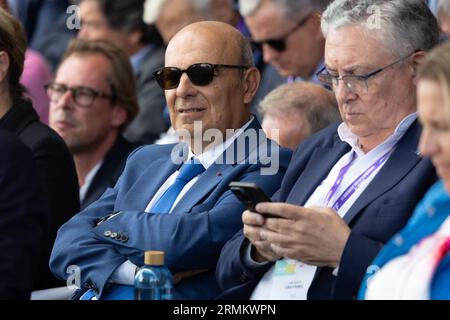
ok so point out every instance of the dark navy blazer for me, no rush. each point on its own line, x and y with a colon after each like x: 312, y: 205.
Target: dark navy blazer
x: 110, y: 170
x: 24, y: 220
x: 381, y: 210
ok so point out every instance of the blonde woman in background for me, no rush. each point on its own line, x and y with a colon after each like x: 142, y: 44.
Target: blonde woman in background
x: 415, y: 264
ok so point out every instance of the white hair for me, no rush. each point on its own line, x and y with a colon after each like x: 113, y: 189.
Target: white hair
x: 443, y: 8
x: 247, y: 7
x: 151, y: 10
x: 403, y: 26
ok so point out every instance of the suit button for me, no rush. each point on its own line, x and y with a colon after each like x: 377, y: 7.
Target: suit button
x: 243, y: 278
x: 107, y: 233
x: 124, y: 238
x: 114, y: 235
x: 118, y: 236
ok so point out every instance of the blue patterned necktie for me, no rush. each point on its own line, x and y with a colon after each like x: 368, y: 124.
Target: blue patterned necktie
x: 188, y: 171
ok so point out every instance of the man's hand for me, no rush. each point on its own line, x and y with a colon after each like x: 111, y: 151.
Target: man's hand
x: 314, y: 235
x: 253, y: 223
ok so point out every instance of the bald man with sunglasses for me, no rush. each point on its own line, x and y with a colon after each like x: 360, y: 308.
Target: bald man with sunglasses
x: 175, y: 198
x: 288, y: 34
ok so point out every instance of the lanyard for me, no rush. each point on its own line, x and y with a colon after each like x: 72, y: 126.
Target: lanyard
x: 355, y: 184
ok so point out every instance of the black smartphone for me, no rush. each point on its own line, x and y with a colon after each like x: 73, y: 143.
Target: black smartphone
x: 249, y: 194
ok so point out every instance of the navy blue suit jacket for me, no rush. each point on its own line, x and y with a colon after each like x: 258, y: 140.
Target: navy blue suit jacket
x: 192, y: 235
x: 381, y: 210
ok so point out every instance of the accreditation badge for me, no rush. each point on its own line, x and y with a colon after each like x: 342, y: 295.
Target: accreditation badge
x: 292, y: 279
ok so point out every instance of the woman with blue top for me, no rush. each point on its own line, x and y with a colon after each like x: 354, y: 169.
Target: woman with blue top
x: 415, y: 264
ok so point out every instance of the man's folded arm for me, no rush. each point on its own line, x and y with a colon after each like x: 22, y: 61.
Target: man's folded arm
x: 191, y: 240
x: 75, y: 246
x: 195, y: 239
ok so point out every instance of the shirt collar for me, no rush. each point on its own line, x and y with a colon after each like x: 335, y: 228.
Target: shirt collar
x: 88, y: 180
x: 210, y: 156
x: 136, y: 59
x: 346, y: 135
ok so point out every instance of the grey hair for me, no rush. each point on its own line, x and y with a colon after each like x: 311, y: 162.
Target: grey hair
x: 404, y: 26
x: 443, y: 8
x: 292, y: 9
x: 317, y: 104
x: 248, y: 7
x: 203, y: 7
x: 152, y: 9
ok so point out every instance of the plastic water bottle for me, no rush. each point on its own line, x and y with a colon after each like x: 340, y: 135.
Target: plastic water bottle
x: 153, y: 281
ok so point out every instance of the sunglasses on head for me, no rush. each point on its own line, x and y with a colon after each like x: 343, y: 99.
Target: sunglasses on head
x: 278, y: 44
x: 200, y: 74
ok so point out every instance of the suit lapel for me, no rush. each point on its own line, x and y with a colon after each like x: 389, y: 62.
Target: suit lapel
x: 203, y: 186
x: 389, y: 176
x: 109, y: 171
x: 215, y: 173
x: 391, y: 173
x: 149, y: 183
x: 317, y: 169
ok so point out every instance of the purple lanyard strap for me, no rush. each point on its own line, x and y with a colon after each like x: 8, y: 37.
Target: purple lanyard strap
x: 355, y: 184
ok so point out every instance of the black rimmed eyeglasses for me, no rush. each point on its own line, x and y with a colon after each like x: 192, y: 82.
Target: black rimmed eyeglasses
x: 354, y: 83
x: 83, y: 96
x: 200, y: 74
x: 279, y: 44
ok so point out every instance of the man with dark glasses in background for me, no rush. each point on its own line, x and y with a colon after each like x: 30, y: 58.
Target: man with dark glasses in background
x: 160, y: 203
x: 288, y: 34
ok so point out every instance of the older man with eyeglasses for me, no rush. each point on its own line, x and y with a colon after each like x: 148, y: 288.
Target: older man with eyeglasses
x: 352, y: 186
x: 175, y: 198
x: 92, y: 100
x: 288, y: 34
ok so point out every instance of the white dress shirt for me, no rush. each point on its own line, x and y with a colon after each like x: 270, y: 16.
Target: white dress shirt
x: 88, y: 180
x: 124, y: 274
x: 266, y: 288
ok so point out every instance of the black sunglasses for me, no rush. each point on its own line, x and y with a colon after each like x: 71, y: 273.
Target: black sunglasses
x: 200, y: 74
x: 278, y: 44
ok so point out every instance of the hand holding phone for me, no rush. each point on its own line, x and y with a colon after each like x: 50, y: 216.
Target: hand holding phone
x: 249, y: 194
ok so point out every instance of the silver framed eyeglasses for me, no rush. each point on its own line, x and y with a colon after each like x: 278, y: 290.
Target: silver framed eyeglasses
x: 353, y: 83
x: 83, y: 96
